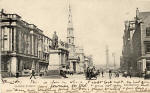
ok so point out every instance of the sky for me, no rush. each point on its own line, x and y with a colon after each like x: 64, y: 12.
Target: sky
x: 96, y: 23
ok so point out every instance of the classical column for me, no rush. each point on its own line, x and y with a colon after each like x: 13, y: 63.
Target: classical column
x: 10, y: 39
x: 64, y: 59
x: 60, y: 60
x: 9, y: 67
x: 13, y: 64
x: 33, y: 65
x: 14, y: 39
x: 144, y: 65
x: 32, y: 43
x: 21, y: 65
x: 37, y: 67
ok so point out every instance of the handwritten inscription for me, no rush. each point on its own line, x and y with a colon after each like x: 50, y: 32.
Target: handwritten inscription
x: 76, y: 86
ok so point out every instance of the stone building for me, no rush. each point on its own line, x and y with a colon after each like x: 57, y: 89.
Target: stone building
x: 141, y: 42
x: 138, y: 50
x: 81, y: 62
x: 23, y: 46
x: 73, y: 58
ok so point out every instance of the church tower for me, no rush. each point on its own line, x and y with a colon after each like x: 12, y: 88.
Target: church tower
x: 73, y: 58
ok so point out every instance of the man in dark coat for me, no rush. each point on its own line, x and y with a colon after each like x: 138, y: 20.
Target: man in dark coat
x: 110, y: 74
x: 102, y: 73
x: 33, y: 74
x: 87, y: 72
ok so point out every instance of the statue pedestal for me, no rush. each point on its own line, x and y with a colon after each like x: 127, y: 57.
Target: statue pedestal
x: 54, y: 64
x: 57, y: 60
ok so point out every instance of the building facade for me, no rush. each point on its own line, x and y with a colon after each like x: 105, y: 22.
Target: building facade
x: 23, y: 46
x: 81, y: 62
x: 136, y: 42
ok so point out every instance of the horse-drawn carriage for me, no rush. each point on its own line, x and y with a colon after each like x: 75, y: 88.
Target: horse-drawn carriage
x: 91, y: 74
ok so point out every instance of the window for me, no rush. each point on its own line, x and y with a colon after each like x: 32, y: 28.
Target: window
x: 148, y: 48
x: 148, y: 65
x: 5, y: 37
x: 5, y: 66
x: 69, y: 40
x: 27, y: 65
x: 148, y: 31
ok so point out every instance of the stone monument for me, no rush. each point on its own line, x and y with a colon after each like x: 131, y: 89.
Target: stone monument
x: 58, y: 58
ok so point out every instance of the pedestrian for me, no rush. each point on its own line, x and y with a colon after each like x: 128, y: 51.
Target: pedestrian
x: 102, y: 73
x: 145, y: 73
x: 118, y: 74
x: 115, y: 74
x: 17, y: 76
x: 90, y: 73
x: 98, y: 72
x: 110, y: 74
x: 130, y: 74
x: 32, y: 74
x: 87, y: 72
x: 125, y: 74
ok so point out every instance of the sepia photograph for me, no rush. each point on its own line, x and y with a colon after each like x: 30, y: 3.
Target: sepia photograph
x: 74, y: 46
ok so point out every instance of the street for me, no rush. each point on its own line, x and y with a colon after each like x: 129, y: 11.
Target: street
x: 74, y: 77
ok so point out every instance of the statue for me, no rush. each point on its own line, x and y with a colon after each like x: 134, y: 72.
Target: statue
x: 55, y: 41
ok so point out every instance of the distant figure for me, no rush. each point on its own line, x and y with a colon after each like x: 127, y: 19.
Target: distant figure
x: 145, y: 72
x: 33, y: 74
x: 87, y: 72
x: 110, y: 74
x: 116, y: 74
x: 17, y: 75
x: 130, y: 74
x: 55, y: 41
x: 63, y: 74
x: 71, y: 72
x: 125, y: 74
x: 102, y: 73
x: 98, y: 72
x: 90, y: 73
x: 94, y: 70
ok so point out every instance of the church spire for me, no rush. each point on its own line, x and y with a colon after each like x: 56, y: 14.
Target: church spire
x: 70, y: 24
